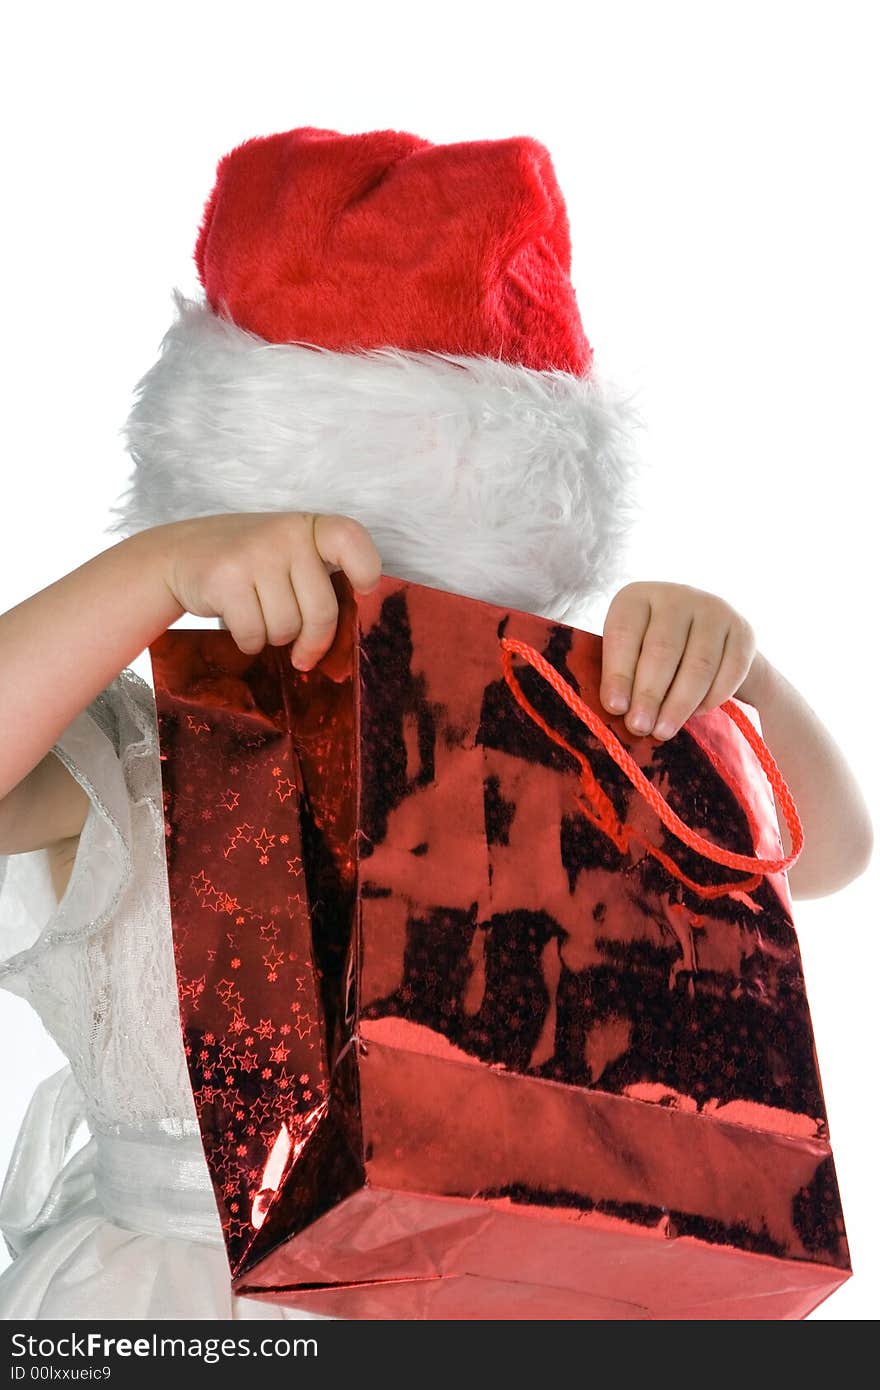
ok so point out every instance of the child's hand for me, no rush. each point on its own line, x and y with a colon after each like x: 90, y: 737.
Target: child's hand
x: 650, y: 628
x: 267, y: 575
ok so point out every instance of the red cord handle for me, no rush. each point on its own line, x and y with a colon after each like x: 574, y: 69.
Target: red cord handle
x: 599, y: 809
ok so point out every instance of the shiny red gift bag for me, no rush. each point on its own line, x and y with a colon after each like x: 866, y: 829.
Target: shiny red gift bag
x: 491, y: 1009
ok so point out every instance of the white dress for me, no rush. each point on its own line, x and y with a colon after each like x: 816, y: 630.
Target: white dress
x: 124, y: 1226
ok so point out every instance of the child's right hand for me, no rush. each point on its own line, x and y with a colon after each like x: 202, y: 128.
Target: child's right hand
x: 267, y: 575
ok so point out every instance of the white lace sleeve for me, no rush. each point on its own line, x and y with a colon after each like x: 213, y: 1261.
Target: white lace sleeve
x: 101, y: 748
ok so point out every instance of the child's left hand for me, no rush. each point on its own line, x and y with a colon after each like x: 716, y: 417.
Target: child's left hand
x: 670, y: 651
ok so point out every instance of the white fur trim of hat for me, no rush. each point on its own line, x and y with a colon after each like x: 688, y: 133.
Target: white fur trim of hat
x: 471, y: 474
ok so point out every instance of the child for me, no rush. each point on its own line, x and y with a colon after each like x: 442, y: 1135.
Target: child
x: 389, y: 369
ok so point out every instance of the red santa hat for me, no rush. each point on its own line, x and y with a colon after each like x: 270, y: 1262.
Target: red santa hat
x: 389, y: 331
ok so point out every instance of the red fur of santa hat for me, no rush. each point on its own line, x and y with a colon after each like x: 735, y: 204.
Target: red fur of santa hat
x: 384, y: 239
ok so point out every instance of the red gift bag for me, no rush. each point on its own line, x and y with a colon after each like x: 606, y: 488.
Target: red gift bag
x: 491, y: 1008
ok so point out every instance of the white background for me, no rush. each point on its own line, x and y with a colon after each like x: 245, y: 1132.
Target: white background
x: 719, y: 164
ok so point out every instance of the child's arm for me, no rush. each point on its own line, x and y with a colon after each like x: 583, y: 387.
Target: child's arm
x: 58, y: 650
x: 267, y: 574
x: 838, y: 835
x: 669, y: 650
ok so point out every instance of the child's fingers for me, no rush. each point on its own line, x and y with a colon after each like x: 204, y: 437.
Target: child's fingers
x: 662, y: 646
x: 347, y: 545
x: 281, y: 610
x: 319, y: 608
x: 243, y: 616
x: 628, y: 616
x: 697, y: 674
x: 736, y: 661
